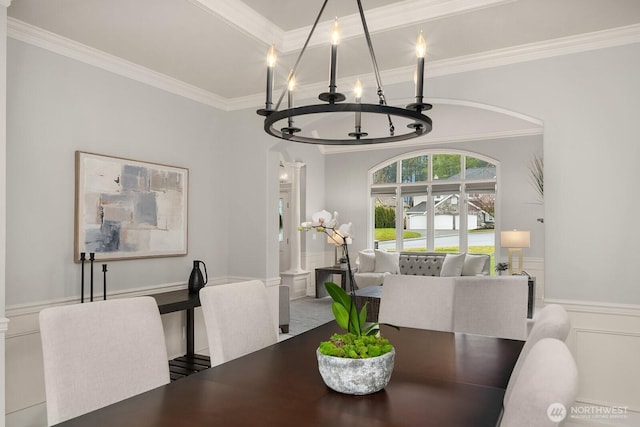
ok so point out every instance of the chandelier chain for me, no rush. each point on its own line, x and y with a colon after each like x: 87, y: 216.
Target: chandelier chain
x: 304, y: 47
x: 374, y: 63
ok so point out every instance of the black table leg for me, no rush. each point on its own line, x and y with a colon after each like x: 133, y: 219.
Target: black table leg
x: 190, y: 329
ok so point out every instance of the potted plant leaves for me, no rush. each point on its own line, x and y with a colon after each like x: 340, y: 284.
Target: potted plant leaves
x: 359, y: 361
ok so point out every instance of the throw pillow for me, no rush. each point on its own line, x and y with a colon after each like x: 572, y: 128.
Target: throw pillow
x: 473, y: 265
x: 366, y: 261
x: 387, y: 262
x: 452, y: 265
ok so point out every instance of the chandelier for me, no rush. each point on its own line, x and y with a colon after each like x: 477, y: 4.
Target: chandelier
x: 280, y: 122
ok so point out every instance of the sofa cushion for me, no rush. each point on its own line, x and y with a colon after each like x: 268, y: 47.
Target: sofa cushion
x: 366, y: 261
x: 420, y: 264
x: 473, y: 265
x: 387, y: 262
x: 452, y: 265
x: 364, y: 280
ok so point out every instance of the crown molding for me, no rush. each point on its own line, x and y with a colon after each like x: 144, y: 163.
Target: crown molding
x: 47, y: 40
x: 386, y: 18
x: 426, y: 141
x: 491, y: 59
x: 251, y: 23
x: 563, y: 46
x: 243, y: 18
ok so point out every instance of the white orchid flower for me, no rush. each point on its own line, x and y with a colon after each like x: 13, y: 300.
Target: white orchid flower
x: 345, y: 230
x: 322, y: 218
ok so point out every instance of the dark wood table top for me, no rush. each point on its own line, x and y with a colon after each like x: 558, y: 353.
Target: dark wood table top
x: 439, y: 379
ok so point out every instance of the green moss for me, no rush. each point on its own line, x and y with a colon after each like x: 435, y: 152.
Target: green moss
x: 355, y: 347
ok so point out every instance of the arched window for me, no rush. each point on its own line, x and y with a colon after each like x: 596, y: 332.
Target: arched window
x: 428, y: 201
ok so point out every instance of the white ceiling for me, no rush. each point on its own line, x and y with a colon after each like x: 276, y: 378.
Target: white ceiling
x: 219, y: 46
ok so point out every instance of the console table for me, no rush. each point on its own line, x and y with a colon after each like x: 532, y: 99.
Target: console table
x: 325, y: 274
x: 172, y: 301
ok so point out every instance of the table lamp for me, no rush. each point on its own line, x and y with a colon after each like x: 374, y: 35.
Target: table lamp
x: 515, y: 240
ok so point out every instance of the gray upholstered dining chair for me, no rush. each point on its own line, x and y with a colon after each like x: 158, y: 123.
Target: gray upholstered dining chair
x: 415, y: 302
x: 238, y: 319
x: 99, y: 353
x: 545, y: 389
x: 550, y: 322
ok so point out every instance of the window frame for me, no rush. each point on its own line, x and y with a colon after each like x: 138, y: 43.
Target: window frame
x: 430, y: 184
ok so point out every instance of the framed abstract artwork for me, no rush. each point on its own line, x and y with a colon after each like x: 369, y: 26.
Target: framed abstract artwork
x: 129, y: 209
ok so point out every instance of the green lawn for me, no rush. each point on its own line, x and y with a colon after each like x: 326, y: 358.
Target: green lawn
x: 384, y: 234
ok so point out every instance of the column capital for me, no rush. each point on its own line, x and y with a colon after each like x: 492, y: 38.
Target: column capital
x: 5, y: 3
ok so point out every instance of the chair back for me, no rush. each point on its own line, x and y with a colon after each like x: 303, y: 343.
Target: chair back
x: 545, y: 389
x: 238, y: 319
x: 99, y: 353
x: 551, y: 322
x: 417, y: 302
x: 493, y: 306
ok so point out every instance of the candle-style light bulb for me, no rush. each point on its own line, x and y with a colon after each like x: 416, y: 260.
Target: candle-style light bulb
x: 335, y: 32
x: 271, y: 63
x: 421, y: 51
x: 357, y: 90
x: 291, y: 86
x: 272, y: 57
x: 332, y: 96
x: 421, y: 46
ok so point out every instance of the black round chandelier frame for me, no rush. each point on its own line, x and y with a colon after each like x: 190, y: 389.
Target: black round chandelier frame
x: 420, y: 123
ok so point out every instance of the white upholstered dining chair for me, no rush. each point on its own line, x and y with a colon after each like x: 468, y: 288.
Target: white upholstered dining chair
x: 99, y: 353
x: 550, y: 322
x: 545, y: 389
x: 417, y: 302
x: 497, y: 308
x: 237, y: 318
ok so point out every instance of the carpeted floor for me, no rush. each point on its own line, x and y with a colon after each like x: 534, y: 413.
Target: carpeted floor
x: 307, y: 313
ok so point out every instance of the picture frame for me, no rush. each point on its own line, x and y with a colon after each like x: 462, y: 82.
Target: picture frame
x: 127, y: 209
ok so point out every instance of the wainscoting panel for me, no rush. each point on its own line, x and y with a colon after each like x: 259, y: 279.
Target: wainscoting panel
x: 609, y: 363
x: 605, y: 342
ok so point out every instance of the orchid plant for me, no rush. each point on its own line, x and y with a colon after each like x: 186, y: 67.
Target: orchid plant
x: 361, y: 341
x: 340, y: 235
x: 343, y: 307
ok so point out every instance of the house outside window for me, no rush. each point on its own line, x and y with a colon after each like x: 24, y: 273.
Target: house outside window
x: 429, y: 201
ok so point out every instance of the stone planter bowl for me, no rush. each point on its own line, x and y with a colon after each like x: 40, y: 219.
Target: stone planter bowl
x: 356, y: 376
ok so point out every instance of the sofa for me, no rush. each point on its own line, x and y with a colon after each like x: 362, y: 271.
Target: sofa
x: 373, y: 265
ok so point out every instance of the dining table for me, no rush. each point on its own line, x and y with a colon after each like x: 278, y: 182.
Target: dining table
x: 439, y: 379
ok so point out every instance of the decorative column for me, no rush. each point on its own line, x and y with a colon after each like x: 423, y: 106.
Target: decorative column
x: 4, y: 4
x: 295, y: 218
x: 296, y: 278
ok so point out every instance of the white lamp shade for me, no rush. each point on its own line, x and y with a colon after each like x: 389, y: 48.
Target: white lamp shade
x: 515, y: 239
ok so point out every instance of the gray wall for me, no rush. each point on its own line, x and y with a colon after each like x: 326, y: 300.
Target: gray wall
x: 57, y: 106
